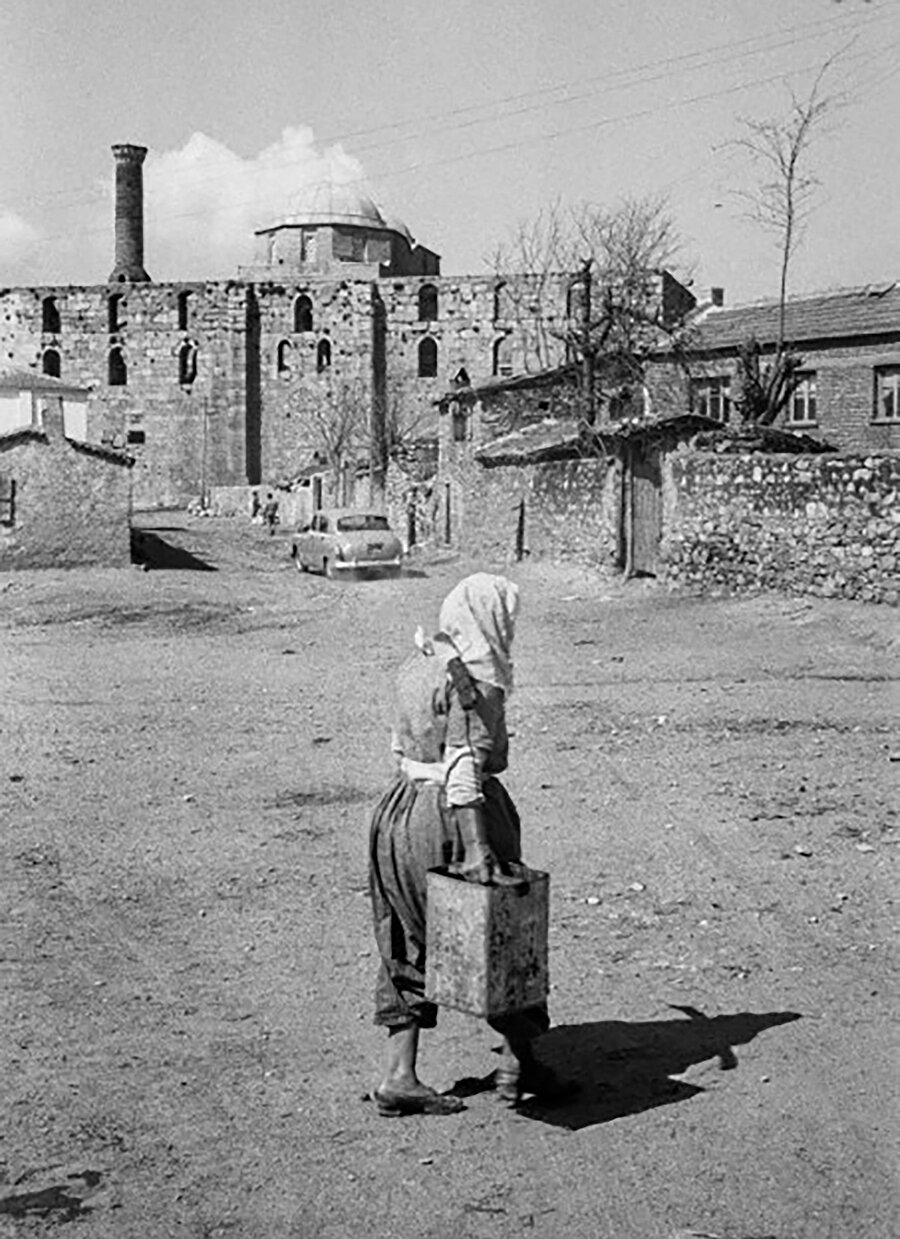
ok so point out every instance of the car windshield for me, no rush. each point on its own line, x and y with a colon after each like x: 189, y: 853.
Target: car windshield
x: 362, y: 520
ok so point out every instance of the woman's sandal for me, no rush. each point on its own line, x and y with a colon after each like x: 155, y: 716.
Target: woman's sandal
x: 400, y: 1105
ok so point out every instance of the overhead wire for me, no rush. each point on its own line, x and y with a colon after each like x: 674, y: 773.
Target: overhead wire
x: 551, y: 136
x: 615, y: 80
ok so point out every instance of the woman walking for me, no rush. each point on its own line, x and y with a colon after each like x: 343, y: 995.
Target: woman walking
x: 447, y: 806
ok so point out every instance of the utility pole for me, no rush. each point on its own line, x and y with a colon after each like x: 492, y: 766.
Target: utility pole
x: 587, y: 351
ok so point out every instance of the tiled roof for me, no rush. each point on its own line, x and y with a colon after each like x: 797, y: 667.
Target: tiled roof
x: 22, y: 434
x: 873, y: 309
x: 30, y: 380
x: 550, y: 439
x: 101, y: 450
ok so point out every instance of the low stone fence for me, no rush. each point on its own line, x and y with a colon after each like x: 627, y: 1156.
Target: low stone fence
x: 824, y: 525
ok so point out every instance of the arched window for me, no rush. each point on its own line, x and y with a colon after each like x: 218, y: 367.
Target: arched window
x: 503, y: 364
x: 283, y: 357
x: 501, y: 301
x: 50, y: 323
x: 184, y: 311
x: 323, y: 355
x: 303, y: 313
x: 118, y: 370
x: 428, y: 303
x: 50, y: 363
x: 187, y: 363
x: 115, y: 306
x: 428, y: 358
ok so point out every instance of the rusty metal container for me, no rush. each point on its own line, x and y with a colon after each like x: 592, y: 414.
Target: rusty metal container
x: 486, y: 946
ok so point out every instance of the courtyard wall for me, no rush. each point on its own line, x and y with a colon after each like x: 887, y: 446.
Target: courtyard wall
x: 823, y: 525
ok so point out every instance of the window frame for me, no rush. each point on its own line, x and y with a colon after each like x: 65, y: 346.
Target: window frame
x: 891, y: 373
x: 427, y: 301
x: 806, y: 391
x: 427, y: 355
x: 304, y: 322
x: 707, y: 387
x: 121, y: 375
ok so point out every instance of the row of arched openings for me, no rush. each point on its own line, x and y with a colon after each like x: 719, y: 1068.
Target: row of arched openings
x: 51, y: 320
x: 117, y: 375
x: 283, y: 356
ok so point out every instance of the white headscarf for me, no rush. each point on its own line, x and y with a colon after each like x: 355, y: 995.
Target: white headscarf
x: 479, y: 616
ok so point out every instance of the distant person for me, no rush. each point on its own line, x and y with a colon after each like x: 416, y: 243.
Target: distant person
x: 254, y: 505
x: 270, y: 513
x: 446, y: 804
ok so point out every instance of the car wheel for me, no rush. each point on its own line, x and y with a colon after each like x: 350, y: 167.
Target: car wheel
x: 327, y: 569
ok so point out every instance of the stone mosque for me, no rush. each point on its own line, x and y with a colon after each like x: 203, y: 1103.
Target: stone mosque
x: 230, y: 382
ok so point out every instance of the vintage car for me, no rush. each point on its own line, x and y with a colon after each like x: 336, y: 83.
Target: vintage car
x: 339, y: 540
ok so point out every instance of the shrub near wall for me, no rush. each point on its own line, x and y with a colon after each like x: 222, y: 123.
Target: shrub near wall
x: 823, y: 525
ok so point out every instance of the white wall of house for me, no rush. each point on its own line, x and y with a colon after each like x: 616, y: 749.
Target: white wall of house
x: 15, y: 411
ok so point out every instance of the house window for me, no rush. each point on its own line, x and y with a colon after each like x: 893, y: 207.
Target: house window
x: 50, y: 362
x: 428, y: 358
x: 50, y: 324
x: 887, y: 394
x: 115, y: 306
x: 802, y: 408
x: 136, y: 437
x: 184, y: 313
x: 118, y: 370
x: 303, y: 314
x: 187, y: 363
x: 7, y: 501
x: 711, y: 397
x: 428, y: 303
x: 503, y: 365
x: 323, y: 355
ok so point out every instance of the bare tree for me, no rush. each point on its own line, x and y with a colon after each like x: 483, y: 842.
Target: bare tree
x: 336, y: 418
x: 605, y: 265
x: 530, y: 267
x: 780, y: 148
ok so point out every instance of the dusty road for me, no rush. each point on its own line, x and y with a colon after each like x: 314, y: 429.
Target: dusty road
x: 189, y: 758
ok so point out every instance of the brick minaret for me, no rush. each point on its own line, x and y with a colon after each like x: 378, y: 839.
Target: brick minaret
x: 129, y: 215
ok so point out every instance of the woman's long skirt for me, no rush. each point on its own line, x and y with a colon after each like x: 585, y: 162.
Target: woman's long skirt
x: 414, y: 831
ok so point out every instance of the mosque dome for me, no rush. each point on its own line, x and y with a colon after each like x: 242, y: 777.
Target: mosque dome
x: 329, y: 202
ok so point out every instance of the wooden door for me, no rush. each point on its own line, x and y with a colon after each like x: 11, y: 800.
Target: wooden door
x: 645, y: 526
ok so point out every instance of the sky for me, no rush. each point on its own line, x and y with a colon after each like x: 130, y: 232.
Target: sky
x: 461, y: 117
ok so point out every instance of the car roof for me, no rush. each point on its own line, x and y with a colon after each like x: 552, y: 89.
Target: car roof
x: 334, y: 513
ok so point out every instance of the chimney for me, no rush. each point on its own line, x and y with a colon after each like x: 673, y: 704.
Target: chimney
x: 129, y: 215
x: 717, y: 296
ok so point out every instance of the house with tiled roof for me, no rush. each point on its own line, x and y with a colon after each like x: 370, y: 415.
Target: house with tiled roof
x: 64, y: 501
x: 849, y: 343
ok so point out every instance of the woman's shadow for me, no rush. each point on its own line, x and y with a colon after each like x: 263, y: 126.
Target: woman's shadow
x: 623, y: 1068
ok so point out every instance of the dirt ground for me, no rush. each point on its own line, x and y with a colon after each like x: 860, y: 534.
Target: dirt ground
x: 189, y: 760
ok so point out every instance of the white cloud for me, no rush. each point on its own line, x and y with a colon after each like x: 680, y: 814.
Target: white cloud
x: 203, y: 202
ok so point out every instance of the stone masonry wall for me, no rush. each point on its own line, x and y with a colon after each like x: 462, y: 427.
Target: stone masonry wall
x: 181, y: 434
x: 571, y: 510
x: 824, y: 525
x: 72, y: 505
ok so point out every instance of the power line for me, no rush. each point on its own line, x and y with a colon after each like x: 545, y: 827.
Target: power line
x: 640, y: 75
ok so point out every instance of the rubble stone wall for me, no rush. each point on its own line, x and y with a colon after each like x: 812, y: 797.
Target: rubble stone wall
x: 824, y: 525
x: 570, y: 510
x: 72, y: 507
